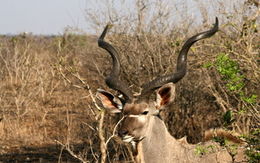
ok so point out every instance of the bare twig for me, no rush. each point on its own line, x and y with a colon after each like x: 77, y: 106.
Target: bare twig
x: 114, y: 131
x: 67, y: 147
x: 101, y: 137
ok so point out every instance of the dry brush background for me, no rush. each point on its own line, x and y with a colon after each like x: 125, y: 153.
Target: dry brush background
x: 48, y: 108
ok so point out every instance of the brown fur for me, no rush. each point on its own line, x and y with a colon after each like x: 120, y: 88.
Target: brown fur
x: 134, y: 109
x: 212, y: 133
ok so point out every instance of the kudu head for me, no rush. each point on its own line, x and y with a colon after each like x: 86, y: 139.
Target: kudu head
x: 137, y: 113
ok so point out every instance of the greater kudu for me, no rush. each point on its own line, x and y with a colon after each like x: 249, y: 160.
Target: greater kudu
x: 141, y: 125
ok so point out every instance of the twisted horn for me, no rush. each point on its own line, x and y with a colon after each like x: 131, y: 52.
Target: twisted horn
x: 181, y: 68
x: 112, y: 80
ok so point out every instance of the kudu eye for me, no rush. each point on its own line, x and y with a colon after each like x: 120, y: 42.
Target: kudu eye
x: 145, y: 112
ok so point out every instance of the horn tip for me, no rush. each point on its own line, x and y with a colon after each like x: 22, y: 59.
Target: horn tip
x: 216, y: 22
x: 109, y: 25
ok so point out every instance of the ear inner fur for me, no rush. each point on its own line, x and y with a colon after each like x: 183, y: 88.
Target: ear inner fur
x: 107, y: 101
x: 165, y: 95
x: 164, y: 91
x: 111, y: 103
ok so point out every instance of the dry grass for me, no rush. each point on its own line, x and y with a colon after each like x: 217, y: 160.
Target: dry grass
x: 45, y: 101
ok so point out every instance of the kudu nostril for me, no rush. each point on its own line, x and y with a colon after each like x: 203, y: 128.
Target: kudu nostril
x: 122, y: 133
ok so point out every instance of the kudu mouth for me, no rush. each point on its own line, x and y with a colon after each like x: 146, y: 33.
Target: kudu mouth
x: 132, y: 139
x: 128, y: 138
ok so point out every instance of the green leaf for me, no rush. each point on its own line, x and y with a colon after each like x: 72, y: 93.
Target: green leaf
x: 228, y: 117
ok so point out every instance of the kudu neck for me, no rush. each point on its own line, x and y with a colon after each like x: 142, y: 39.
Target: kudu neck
x: 156, y: 143
x: 159, y: 146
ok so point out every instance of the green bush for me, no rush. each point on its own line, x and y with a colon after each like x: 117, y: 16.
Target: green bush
x: 231, y: 74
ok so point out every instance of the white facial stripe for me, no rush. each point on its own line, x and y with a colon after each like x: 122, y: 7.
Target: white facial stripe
x: 141, y: 118
x: 134, y: 116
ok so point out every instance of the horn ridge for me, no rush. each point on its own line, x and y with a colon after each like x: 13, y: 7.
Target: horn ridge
x: 112, y: 80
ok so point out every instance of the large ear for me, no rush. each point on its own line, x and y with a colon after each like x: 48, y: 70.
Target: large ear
x: 165, y: 95
x: 109, y: 101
